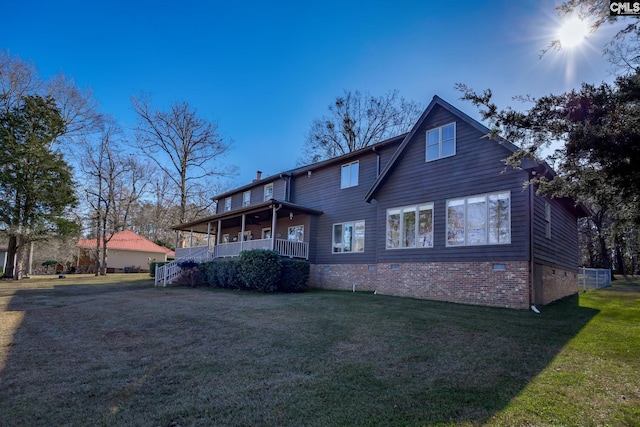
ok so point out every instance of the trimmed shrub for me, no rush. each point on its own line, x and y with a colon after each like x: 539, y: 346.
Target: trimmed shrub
x: 259, y: 270
x: 295, y: 275
x: 221, y: 273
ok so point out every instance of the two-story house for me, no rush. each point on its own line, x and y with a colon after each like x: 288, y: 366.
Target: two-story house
x: 430, y: 214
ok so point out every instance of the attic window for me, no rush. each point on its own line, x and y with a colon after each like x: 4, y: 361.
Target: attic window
x: 349, y: 175
x: 441, y: 142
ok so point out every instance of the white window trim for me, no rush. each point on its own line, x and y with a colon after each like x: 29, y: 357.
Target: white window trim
x: 416, y: 209
x: 466, y: 235
x: 333, y: 243
x: 227, y: 204
x: 439, y: 129
x: 267, y: 198
x: 246, y: 201
x: 350, y: 165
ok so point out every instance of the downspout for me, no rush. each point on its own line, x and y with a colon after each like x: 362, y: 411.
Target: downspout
x: 532, y: 279
x: 377, y: 161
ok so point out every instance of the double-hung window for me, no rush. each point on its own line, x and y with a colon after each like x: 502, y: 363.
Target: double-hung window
x: 410, y: 227
x: 479, y: 220
x: 246, y: 198
x: 227, y: 204
x: 349, y: 175
x: 348, y: 237
x: 441, y: 142
x: 268, y: 192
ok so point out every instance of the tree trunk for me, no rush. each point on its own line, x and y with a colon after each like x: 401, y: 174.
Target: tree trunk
x: 30, y: 266
x: 620, y: 259
x: 604, y: 252
x: 20, y: 247
x: 103, y: 238
x: 11, y: 257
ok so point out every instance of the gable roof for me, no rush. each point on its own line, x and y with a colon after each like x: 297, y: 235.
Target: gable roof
x: 310, y: 167
x: 127, y: 240
x: 435, y: 102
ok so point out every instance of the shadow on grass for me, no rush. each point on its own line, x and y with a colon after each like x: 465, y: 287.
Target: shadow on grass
x: 317, y: 358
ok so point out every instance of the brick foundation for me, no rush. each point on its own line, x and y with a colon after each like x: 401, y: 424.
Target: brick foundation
x: 558, y: 283
x: 497, y: 284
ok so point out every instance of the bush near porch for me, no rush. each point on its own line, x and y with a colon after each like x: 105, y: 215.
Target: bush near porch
x: 257, y: 270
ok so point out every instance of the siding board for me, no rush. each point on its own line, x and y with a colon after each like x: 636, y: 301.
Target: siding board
x: 476, y: 168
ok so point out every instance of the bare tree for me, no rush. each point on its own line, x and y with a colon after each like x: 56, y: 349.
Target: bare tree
x: 17, y: 80
x: 110, y: 188
x: 78, y: 108
x: 129, y: 189
x: 184, y: 146
x: 357, y: 120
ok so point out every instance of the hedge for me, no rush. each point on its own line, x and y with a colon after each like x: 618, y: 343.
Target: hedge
x: 221, y: 273
x: 257, y: 270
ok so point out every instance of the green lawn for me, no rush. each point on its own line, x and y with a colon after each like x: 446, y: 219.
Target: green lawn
x: 117, y: 351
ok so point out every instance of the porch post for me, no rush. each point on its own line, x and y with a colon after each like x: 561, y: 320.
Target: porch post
x: 242, y: 232
x: 208, y: 236
x: 274, y: 218
x: 219, y: 233
x: 177, y: 238
x: 191, y: 238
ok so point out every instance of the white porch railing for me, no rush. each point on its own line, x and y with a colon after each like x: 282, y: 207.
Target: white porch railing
x: 283, y: 247
x: 165, y: 274
x: 169, y: 272
x: 292, y: 249
x: 188, y: 252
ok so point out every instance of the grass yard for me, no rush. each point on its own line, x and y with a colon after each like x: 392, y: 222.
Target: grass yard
x: 117, y: 351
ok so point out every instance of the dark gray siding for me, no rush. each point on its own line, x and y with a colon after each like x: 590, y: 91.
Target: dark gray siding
x: 322, y: 191
x: 257, y: 194
x: 561, y: 250
x: 476, y: 168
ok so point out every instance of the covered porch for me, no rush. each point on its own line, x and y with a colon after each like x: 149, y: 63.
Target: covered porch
x: 274, y: 225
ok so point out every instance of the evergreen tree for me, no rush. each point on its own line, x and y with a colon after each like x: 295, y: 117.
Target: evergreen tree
x: 36, y: 187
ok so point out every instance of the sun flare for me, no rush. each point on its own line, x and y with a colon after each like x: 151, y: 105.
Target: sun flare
x: 572, y: 32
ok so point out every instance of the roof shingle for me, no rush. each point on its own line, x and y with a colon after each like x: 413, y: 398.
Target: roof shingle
x: 127, y: 240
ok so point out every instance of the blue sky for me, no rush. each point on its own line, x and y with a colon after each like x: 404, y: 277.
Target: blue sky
x: 264, y: 70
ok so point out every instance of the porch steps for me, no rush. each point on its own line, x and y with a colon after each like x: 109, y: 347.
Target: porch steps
x: 170, y: 272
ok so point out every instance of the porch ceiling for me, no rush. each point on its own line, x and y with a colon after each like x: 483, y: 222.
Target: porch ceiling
x: 256, y: 214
